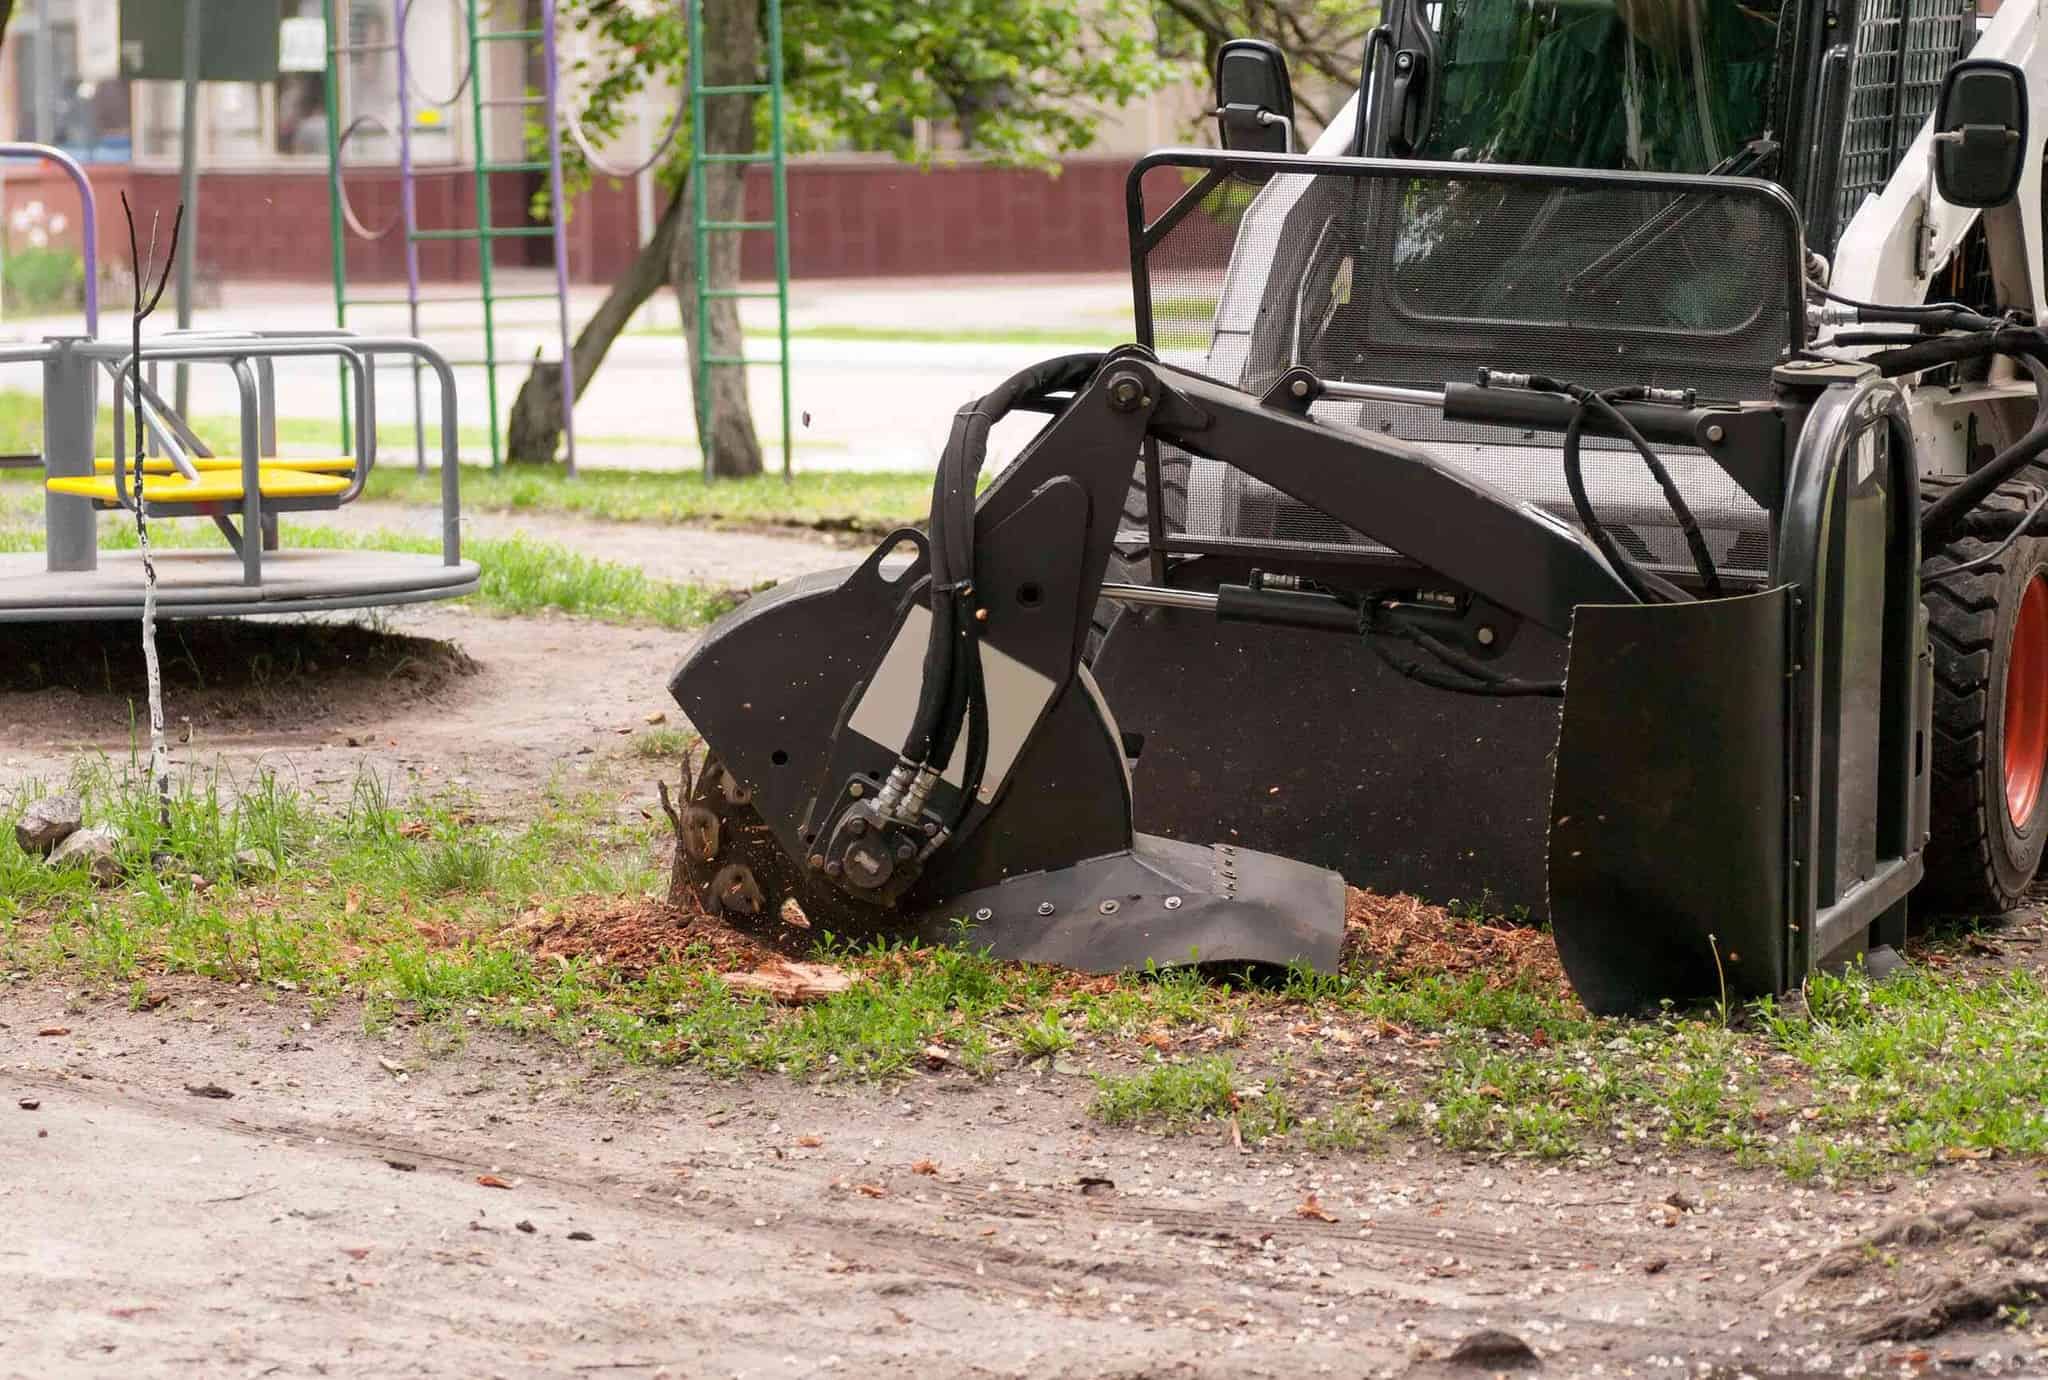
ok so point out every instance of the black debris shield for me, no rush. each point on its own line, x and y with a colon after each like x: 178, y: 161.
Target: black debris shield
x: 1668, y: 818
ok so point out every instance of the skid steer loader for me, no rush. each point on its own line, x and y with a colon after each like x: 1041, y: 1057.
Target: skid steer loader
x: 1597, y: 478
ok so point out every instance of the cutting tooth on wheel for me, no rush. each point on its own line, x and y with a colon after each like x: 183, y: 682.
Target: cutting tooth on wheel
x: 729, y: 785
x: 736, y: 891
x: 700, y: 833
x: 737, y: 870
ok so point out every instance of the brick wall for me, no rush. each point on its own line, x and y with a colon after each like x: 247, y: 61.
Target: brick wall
x: 848, y: 218
x: 860, y: 219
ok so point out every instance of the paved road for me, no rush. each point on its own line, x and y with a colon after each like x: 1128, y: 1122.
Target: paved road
x: 856, y: 404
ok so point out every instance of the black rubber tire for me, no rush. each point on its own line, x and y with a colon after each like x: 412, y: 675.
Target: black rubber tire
x: 1107, y: 611
x: 1134, y: 570
x: 1978, y: 861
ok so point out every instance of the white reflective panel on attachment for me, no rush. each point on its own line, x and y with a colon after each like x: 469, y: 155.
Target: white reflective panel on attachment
x: 1017, y: 695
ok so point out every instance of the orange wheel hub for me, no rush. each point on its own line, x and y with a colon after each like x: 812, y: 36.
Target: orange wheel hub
x: 2026, y: 705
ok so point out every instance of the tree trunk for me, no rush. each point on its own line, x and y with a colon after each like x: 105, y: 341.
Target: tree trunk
x: 732, y: 39
x: 535, y: 431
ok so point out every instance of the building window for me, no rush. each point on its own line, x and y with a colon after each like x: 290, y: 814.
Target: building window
x: 56, y: 103
x: 232, y: 113
x: 286, y: 120
x: 369, y: 79
x: 298, y: 99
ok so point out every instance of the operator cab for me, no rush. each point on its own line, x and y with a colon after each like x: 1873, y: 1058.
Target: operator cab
x: 1676, y: 86
x: 1426, y: 280
x: 1823, y: 97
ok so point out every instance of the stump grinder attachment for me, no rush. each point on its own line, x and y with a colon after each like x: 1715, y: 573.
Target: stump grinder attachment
x: 916, y: 743
x: 1346, y: 640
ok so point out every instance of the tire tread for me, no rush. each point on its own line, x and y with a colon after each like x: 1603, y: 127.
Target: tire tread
x: 1966, y: 818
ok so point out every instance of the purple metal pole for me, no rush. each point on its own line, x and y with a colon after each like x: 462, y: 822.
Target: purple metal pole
x: 89, y: 213
x: 409, y: 213
x: 559, y: 210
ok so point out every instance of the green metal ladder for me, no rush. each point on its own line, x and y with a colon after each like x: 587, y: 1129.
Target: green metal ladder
x: 483, y: 234
x: 703, y: 227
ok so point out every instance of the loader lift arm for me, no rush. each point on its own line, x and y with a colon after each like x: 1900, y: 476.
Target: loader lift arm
x: 1513, y: 553
x: 1508, y: 552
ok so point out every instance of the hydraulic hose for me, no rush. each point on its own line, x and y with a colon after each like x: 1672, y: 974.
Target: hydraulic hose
x: 1648, y: 587
x: 953, y: 495
x: 1465, y: 675
x: 1887, y: 311
x: 952, y: 694
x: 1843, y: 339
x: 2021, y: 342
x: 936, y: 697
x: 2011, y: 539
x: 977, y: 740
x: 1980, y: 338
x: 1645, y: 585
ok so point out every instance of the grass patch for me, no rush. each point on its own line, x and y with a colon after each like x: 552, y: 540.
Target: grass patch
x: 1672, y: 1083
x: 420, y: 913
x: 21, y: 431
x: 863, y: 502
x: 1172, y: 1095
x: 869, y: 503
x: 430, y: 917
x: 427, y: 914
x: 357, y: 893
x: 663, y: 744
x: 1859, y: 1078
x: 1348, y: 1127
x: 1924, y: 1067
x: 521, y: 575
x: 1044, y: 1038
x: 1185, y: 1094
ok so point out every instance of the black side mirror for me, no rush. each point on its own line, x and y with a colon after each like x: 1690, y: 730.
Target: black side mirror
x: 1980, y: 133
x: 1254, y: 100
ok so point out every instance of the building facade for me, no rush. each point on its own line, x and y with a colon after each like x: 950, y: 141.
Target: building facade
x: 263, y: 151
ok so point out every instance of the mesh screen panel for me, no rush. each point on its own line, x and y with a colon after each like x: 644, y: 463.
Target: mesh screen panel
x: 1903, y: 49
x: 1390, y: 274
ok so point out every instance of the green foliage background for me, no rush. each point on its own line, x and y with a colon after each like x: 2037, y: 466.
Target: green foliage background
x: 1025, y: 81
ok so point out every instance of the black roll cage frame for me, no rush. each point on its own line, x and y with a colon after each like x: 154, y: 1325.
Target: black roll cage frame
x: 1756, y: 466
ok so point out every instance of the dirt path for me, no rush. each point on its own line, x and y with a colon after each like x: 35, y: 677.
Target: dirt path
x: 150, y: 1230
x: 714, y: 556
x: 328, y: 1217
x: 548, y: 698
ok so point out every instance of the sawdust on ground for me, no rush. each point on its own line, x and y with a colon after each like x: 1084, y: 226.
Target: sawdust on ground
x: 1401, y: 936
x: 1405, y: 937
x: 635, y: 935
x: 632, y: 937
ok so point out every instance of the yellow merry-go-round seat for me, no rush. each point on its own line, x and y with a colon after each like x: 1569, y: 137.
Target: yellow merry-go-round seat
x: 158, y: 464
x: 212, y: 486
